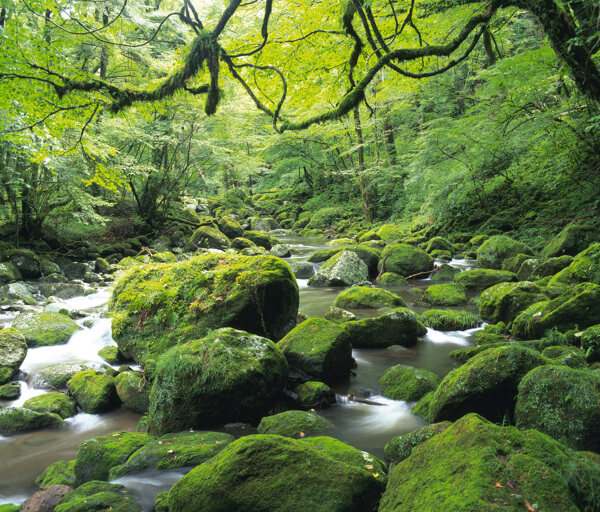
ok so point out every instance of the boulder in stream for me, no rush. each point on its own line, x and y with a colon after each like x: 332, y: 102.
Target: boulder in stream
x: 46, y: 328
x: 293, y: 424
x: 482, y: 278
x: 230, y: 227
x: 343, y: 269
x: 493, y: 252
x: 207, y: 237
x: 13, y: 349
x: 133, y: 391
x: 46, y: 499
x: 450, y: 319
x: 405, y: 260
x: 61, y: 472
x: 402, y: 382
x: 57, y: 375
x: 504, y: 301
x: 446, y: 294
x: 360, y: 297
x: 17, y: 291
x: 315, y: 394
x: 94, y: 391
x: 16, y: 419
x: 98, y: 496
x: 54, y: 402
x: 399, y: 448
x: 26, y: 261
x: 9, y: 273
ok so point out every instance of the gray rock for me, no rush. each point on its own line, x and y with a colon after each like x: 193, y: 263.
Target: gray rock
x: 281, y: 251
x: 343, y: 269
x: 302, y: 269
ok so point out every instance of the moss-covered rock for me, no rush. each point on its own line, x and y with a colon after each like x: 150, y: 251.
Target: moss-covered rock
x: 77, y: 270
x: 590, y: 342
x: 230, y: 227
x: 302, y: 269
x: 445, y: 272
x: 240, y: 243
x: 482, y: 278
x: 13, y: 349
x: 207, y: 237
x: 338, y: 315
x: 61, y: 472
x: 9, y: 273
x: 133, y: 390
x: 57, y: 375
x: 264, y: 224
x: 318, y: 349
x: 280, y: 251
x: 450, y: 319
x: 400, y: 448
x: 358, y: 297
x: 55, y: 402
x: 61, y: 289
x: 343, y: 269
x: 475, y: 465
x: 111, y: 354
x: 579, y: 308
x: 585, y: 268
x: 527, y: 268
x: 391, y: 279
x: 405, y: 260
x: 156, y: 306
x: 98, y: 496
x: 369, y: 255
x: 14, y: 420
x: 27, y: 262
x: 261, y: 238
x: 227, y: 376
x: 562, y: 402
x: 566, y: 355
x: 423, y: 407
x: 503, y: 302
x: 446, y: 294
x: 94, y: 391
x: 398, y: 327
x: 315, y: 394
x: 550, y: 267
x: 514, y: 263
x: 485, y: 384
x: 324, y: 255
x: 493, y: 252
x: 439, y: 243
x: 10, y: 391
x: 47, y: 328
x: 406, y: 383
x: 96, y: 456
x: 279, y: 474
x: 182, y: 449
x: 102, y: 266
x: 573, y: 239
x: 293, y: 424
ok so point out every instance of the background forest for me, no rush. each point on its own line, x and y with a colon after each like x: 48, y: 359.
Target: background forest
x: 456, y: 115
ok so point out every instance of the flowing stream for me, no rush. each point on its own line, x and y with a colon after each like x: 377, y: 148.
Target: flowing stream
x: 367, y: 427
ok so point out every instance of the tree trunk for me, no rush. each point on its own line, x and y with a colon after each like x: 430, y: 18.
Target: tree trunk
x: 367, y: 192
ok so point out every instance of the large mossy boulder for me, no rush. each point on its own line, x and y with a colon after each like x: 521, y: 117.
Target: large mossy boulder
x: 405, y: 260
x: 57, y: 375
x: 446, y: 294
x: 406, y: 383
x: 475, y: 466
x: 318, y: 349
x: 207, y: 237
x: 573, y: 239
x: 46, y: 328
x: 17, y: 291
x: 562, y: 402
x: 590, y: 343
x: 493, y: 252
x: 343, y: 269
x: 94, y: 391
x: 324, y: 254
x: 182, y: 449
x: 482, y: 278
x: 361, y: 297
x: 293, y: 424
x: 261, y: 238
x: 97, y: 496
x: 230, y: 227
x: 9, y: 273
x: 550, y: 267
x: 577, y: 307
x: 133, y: 390
x: 486, y: 384
x: 370, y: 256
x: 399, y: 448
x: 27, y: 262
x: 398, y: 327
x: 450, y: 319
x: 13, y: 349
x: 54, y: 402
x: 61, y: 472
x: 439, y: 243
x: 16, y: 419
x: 96, y: 456
x: 157, y: 306
x: 503, y: 302
x: 315, y: 394
x: 10, y: 391
x: 585, y: 268
x: 227, y: 376
x: 445, y: 272
x: 276, y: 474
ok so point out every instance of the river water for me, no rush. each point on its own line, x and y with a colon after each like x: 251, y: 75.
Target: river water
x: 367, y: 427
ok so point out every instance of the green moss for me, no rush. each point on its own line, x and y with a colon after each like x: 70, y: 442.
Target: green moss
x: 55, y: 402
x: 562, y: 402
x: 439, y: 243
x: 133, y: 390
x: 450, y: 319
x: 157, y: 306
x: 269, y: 472
x: 227, y: 376
x: 207, y: 237
x: 9, y: 273
x: 61, y: 472
x: 493, y: 252
x: 318, y: 349
x: 47, y: 328
x: 183, y: 449
x: 358, y: 297
x: 573, y: 239
x: 14, y: 420
x: 398, y: 327
x: 405, y: 260
x: 343, y: 269
x: 550, y: 267
x: 406, y: 383
x: 423, y: 407
x: 464, y: 354
x: 485, y: 384
x: 445, y: 272
x: 57, y: 375
x: 590, y: 342
x: 504, y: 301
x: 111, y: 354
x: 447, y: 294
x: 475, y: 465
x: 315, y: 394
x: 10, y: 391
x: 569, y: 356
x: 262, y: 239
x: 293, y: 424
x: 98, y: 496
x: 96, y: 456
x: 94, y: 391
x: 392, y: 279
x: 13, y: 349
x: 338, y: 315
x: 230, y: 227
x: 585, y: 267
x: 514, y: 263
x: 400, y: 448
x: 26, y: 261
x: 390, y: 232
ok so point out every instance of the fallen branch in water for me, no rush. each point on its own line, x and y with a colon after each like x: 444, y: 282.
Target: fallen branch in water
x: 424, y: 273
x: 353, y: 398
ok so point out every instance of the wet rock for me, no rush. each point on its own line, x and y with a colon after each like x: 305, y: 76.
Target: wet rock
x: 343, y: 269
x: 56, y: 403
x: 26, y: 262
x: 101, y: 266
x: 47, y: 328
x: 75, y: 270
x: 315, y: 394
x: 57, y: 375
x: 45, y: 500
x: 399, y: 448
x: 280, y: 251
x: 293, y: 424
x: 13, y: 349
x: 504, y: 301
x: 266, y: 224
x: 10, y: 391
x: 190, y: 390
x: 16, y: 291
x: 133, y: 391
x: 98, y: 496
x: 207, y: 237
x: 447, y: 294
x: 493, y: 252
x: 338, y: 315
x: 62, y: 290
x: 406, y: 383
x: 61, y: 472
x: 450, y: 319
x: 318, y: 349
x: 482, y: 278
x: 111, y: 354
x: 14, y: 420
x: 9, y: 273
x: 359, y: 297
x: 405, y: 260
x: 302, y: 269
x: 94, y: 391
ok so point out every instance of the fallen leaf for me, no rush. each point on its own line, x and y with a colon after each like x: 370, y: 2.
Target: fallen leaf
x: 368, y: 466
x: 529, y: 507
x: 301, y: 434
x: 375, y: 475
x: 498, y: 484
